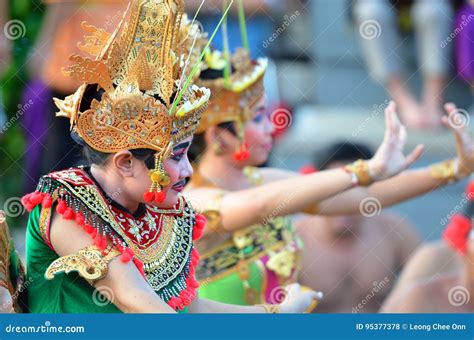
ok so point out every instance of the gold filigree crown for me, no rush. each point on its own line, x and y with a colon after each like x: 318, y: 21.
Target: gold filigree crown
x: 233, y: 98
x: 140, y: 68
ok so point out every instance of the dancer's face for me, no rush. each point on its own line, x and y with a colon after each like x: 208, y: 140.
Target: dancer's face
x: 178, y: 167
x: 258, y: 134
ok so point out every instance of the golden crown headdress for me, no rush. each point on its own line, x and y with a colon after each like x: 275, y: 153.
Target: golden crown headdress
x: 232, y: 98
x: 140, y: 68
x: 234, y: 94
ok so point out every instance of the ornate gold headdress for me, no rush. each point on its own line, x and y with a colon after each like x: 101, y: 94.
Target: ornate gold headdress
x: 233, y: 94
x: 140, y: 68
x: 232, y: 98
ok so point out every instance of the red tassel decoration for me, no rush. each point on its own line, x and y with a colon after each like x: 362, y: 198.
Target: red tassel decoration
x: 80, y: 219
x: 97, y: 240
x: 47, y: 201
x: 185, y: 298
x: 68, y: 214
x: 199, y: 226
x: 174, y: 302
x: 94, y: 233
x: 241, y: 155
x: 149, y: 196
x: 125, y: 257
x: 103, y: 243
x: 36, y: 198
x: 129, y: 251
x: 159, y: 197
x: 457, y: 232
x: 88, y: 228
x: 470, y: 191
x: 194, y: 257
x: 61, y: 207
x: 25, y: 199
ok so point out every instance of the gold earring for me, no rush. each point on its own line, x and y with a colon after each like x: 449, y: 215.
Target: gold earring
x: 217, y: 148
x: 159, y: 179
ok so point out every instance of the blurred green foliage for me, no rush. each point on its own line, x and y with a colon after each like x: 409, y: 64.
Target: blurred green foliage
x: 13, y: 81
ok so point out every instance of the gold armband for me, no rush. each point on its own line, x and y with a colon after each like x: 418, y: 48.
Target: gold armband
x: 313, y: 209
x: 270, y: 309
x: 360, y: 169
x: 446, y: 171
x: 213, y: 214
x: 89, y: 262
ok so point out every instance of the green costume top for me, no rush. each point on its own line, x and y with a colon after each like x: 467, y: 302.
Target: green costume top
x: 159, y: 242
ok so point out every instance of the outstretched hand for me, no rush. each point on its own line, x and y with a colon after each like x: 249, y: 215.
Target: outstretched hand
x: 457, y: 121
x: 390, y: 160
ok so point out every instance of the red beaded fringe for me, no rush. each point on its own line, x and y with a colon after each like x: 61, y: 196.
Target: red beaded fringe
x: 30, y: 201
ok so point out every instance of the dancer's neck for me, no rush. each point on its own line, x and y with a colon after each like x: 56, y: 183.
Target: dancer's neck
x: 221, y: 171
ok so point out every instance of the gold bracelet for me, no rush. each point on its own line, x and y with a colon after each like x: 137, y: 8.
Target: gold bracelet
x: 312, y: 209
x: 360, y: 169
x: 270, y: 309
x: 446, y: 171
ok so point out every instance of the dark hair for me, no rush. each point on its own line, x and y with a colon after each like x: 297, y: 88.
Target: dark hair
x: 100, y: 158
x: 345, y: 152
x: 198, y: 146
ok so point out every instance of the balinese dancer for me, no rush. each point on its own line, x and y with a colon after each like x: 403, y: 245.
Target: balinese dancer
x: 120, y: 229
x: 250, y: 248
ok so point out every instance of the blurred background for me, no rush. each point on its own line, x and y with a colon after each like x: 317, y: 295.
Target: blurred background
x: 335, y: 64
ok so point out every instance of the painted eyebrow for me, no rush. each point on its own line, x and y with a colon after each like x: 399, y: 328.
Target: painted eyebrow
x: 181, y: 146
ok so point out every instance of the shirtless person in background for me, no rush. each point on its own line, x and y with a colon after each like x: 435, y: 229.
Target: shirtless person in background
x: 353, y: 259
x: 429, y: 261
x: 440, y: 276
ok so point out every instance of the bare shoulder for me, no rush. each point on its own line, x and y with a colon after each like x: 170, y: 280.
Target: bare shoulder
x: 433, y: 258
x: 429, y: 260
x: 413, y: 299
x: 66, y: 236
